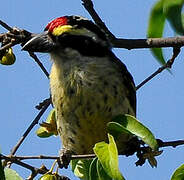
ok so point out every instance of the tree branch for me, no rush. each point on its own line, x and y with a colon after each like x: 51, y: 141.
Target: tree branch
x: 35, y: 121
x: 85, y: 156
x: 88, y: 4
x: 148, y: 43
x: 169, y: 64
x: 39, y: 63
x: 170, y: 143
x: 6, y: 26
x: 27, y: 166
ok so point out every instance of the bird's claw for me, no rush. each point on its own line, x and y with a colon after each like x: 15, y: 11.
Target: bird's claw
x: 65, y: 157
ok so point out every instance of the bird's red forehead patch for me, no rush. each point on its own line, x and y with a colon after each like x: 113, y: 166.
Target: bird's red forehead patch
x: 56, y: 22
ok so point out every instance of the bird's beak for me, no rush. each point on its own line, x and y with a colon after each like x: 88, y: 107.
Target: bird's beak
x: 39, y: 43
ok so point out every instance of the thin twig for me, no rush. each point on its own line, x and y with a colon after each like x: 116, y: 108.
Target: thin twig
x: 6, y: 26
x: 39, y: 63
x: 35, y: 121
x: 85, y: 156
x: 10, y: 44
x: 88, y: 4
x: 169, y: 64
x: 42, y: 104
x: 25, y: 165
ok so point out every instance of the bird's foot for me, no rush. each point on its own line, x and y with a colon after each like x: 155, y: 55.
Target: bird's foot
x: 65, y: 157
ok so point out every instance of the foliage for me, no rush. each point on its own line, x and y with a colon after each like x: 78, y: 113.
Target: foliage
x: 48, y: 128
x: 161, y: 11
x: 105, y: 166
x: 129, y: 124
x: 179, y: 173
x: 11, y: 174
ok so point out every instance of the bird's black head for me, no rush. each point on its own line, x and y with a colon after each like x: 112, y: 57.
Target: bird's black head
x: 69, y: 31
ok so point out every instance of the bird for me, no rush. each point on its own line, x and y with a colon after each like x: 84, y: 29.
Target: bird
x: 89, y: 85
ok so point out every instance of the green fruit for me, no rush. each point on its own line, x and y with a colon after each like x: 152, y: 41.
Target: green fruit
x: 49, y: 177
x: 8, y: 58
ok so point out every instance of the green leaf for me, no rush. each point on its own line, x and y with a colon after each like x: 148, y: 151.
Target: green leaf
x: 11, y: 174
x: 129, y: 123
x: 81, y: 168
x: 156, y: 28
x: 101, y: 173
x: 179, y: 173
x: 117, y: 129
x: 108, y: 157
x: 93, y: 175
x: 172, y: 11
x: 42, y: 133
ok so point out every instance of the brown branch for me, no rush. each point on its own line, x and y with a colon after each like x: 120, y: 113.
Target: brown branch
x: 89, y: 156
x: 170, y: 143
x: 85, y: 156
x: 35, y: 121
x: 148, y: 43
x: 131, y: 43
x: 39, y: 63
x: 169, y: 64
x: 25, y: 165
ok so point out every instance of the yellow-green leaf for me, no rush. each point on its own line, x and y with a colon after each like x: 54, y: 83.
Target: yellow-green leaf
x: 108, y: 156
x: 156, y: 28
x: 129, y: 123
x: 179, y: 173
x: 43, y: 133
x: 11, y: 174
x: 49, y: 127
x: 102, y: 175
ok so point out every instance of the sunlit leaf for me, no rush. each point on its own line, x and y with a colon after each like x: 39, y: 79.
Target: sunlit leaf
x: 129, y: 123
x: 11, y: 174
x: 156, y: 28
x: 49, y: 127
x: 81, y: 168
x: 172, y: 10
x: 108, y: 156
x: 179, y: 173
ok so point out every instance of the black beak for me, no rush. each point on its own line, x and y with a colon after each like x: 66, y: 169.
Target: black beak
x: 40, y: 43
